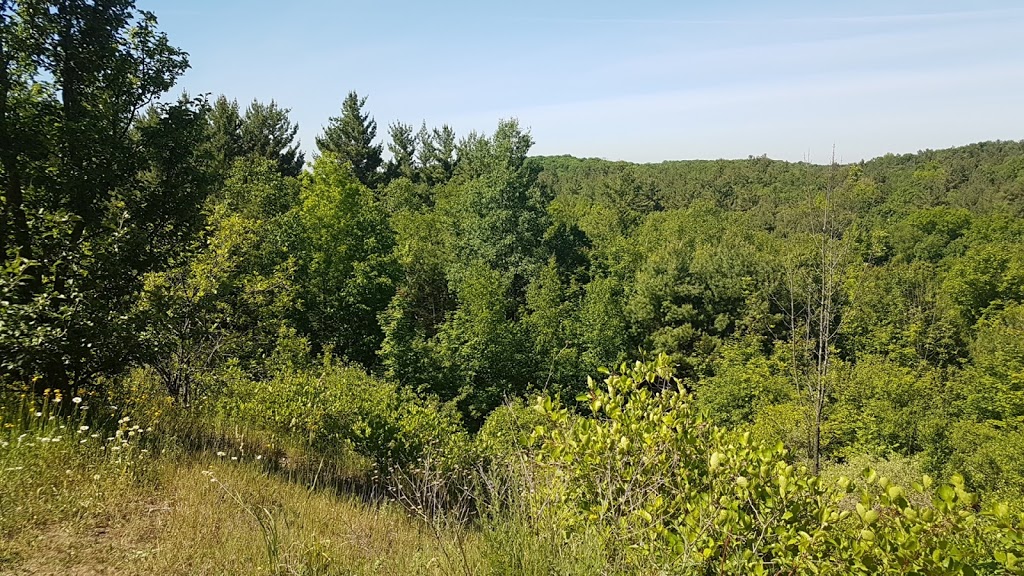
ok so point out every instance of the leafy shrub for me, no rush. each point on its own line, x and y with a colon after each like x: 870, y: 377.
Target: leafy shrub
x: 335, y: 408
x: 508, y: 429
x: 679, y: 494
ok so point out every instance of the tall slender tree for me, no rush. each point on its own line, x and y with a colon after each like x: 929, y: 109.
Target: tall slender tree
x: 350, y: 137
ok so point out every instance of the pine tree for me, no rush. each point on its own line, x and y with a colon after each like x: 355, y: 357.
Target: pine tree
x: 268, y: 132
x: 350, y: 137
x: 438, y: 153
x: 403, y: 152
x: 225, y: 133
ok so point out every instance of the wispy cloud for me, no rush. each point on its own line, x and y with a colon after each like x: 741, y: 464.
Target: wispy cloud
x: 853, y: 19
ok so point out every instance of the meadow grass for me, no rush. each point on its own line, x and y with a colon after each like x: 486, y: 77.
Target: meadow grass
x: 87, y: 494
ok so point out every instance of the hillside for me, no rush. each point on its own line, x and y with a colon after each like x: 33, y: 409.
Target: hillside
x: 219, y: 357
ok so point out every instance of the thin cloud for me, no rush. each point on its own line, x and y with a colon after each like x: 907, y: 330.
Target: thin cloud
x: 865, y: 19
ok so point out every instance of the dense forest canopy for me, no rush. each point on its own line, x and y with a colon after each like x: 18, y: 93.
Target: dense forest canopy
x: 873, y: 309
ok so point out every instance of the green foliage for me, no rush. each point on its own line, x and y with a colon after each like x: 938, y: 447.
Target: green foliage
x: 403, y: 163
x: 508, y: 429
x: 267, y: 132
x: 437, y: 153
x: 232, y: 299
x: 346, y: 272
x: 482, y: 349
x: 744, y: 381
x: 225, y: 132
x: 95, y: 193
x: 335, y: 408
x: 986, y: 444
x: 350, y: 137
x: 995, y: 380
x: 988, y: 276
x: 676, y: 493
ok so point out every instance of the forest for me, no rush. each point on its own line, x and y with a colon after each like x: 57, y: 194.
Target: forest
x: 532, y: 364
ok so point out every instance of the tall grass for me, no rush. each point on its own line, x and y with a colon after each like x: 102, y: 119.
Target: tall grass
x: 84, y: 488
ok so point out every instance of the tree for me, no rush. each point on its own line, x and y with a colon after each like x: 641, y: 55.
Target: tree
x: 225, y: 137
x: 403, y: 153
x: 95, y: 194
x: 816, y: 295
x: 437, y: 153
x: 267, y: 131
x: 231, y: 300
x: 350, y: 137
x: 346, y: 269
x: 490, y: 202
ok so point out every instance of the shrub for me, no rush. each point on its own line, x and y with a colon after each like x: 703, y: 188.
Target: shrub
x: 679, y: 494
x: 338, y: 408
x: 508, y: 429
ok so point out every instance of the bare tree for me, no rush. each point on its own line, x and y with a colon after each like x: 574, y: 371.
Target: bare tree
x: 813, y: 305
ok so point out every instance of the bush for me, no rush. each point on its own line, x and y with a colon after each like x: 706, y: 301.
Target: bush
x: 337, y: 408
x: 681, y: 495
x: 508, y: 429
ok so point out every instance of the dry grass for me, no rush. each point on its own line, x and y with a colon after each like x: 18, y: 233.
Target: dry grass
x: 86, y: 498
x: 201, y: 519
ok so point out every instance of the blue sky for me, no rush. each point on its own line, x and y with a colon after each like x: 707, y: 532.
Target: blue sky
x: 639, y: 80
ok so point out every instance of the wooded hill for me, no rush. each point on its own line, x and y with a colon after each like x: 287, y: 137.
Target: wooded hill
x: 391, y: 309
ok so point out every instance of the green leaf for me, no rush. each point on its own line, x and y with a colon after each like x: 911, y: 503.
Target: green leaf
x: 946, y: 493
x: 716, y: 459
x: 870, y: 517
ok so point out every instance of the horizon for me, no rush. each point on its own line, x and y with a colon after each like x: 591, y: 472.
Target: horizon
x: 651, y: 82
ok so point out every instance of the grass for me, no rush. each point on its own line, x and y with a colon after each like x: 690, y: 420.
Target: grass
x: 80, y: 495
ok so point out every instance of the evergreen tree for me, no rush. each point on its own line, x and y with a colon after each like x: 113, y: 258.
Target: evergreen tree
x: 225, y: 138
x: 350, y: 138
x: 268, y: 132
x: 403, y: 152
x: 438, y: 153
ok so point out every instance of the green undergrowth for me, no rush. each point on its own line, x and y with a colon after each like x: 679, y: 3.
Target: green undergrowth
x: 332, y: 472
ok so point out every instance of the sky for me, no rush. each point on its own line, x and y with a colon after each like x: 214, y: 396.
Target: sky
x: 642, y: 81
